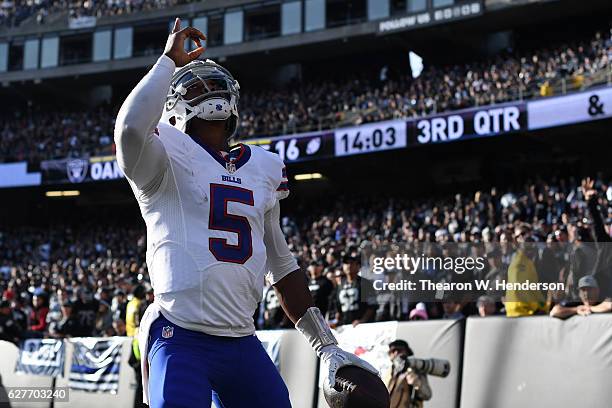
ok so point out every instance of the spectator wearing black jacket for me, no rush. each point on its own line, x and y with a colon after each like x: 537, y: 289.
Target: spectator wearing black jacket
x: 119, y: 305
x: 354, y: 305
x: 582, y: 258
x: 9, y: 329
x: 19, y: 315
x: 320, y: 287
x: 85, y: 309
x: 69, y: 326
x: 274, y: 315
x: 603, y: 263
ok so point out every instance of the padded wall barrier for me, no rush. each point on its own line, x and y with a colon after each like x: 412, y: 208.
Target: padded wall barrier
x: 8, y: 359
x: 495, y: 362
x: 438, y: 339
x: 537, y: 362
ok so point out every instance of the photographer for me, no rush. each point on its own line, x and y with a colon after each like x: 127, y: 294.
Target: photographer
x: 407, y: 388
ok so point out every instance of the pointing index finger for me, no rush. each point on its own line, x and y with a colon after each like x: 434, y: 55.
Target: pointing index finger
x: 177, y: 25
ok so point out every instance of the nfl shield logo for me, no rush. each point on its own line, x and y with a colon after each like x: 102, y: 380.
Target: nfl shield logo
x: 230, y: 167
x: 167, y: 332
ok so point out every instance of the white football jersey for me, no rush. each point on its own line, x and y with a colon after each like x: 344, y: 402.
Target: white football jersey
x: 205, y: 232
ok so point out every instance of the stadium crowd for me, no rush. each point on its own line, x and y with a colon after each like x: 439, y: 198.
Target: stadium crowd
x: 322, y: 104
x: 80, y: 281
x: 36, y: 133
x: 14, y: 12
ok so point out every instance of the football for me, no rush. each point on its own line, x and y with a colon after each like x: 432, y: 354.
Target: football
x: 356, y: 388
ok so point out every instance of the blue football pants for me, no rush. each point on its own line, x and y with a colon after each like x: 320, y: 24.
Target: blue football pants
x: 188, y: 367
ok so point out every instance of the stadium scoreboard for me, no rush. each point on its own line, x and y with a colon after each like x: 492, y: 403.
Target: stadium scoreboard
x: 480, y: 122
x: 370, y: 138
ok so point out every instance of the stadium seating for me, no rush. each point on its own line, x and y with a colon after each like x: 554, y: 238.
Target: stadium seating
x: 36, y: 134
x: 13, y: 13
x: 113, y: 255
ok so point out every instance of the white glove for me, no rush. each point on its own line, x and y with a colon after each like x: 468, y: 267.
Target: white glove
x: 316, y: 330
x: 333, y: 358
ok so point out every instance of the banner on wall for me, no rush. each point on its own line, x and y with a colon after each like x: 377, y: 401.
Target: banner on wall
x: 569, y: 109
x: 367, y: 341
x: 431, y: 16
x: 466, y: 124
x: 80, y: 170
x: 95, y: 364
x: 41, y: 357
x: 471, y: 123
x: 75, y: 23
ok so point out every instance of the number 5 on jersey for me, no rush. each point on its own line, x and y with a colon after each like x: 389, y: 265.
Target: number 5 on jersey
x: 220, y: 220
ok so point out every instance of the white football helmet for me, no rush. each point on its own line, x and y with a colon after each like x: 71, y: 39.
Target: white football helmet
x: 218, y: 99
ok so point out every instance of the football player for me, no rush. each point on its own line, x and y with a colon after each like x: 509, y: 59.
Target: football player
x: 213, y: 233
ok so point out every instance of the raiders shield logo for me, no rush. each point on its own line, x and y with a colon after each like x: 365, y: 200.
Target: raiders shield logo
x: 167, y: 332
x: 76, y: 170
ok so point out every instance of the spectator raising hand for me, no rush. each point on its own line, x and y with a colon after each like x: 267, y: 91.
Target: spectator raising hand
x: 588, y: 191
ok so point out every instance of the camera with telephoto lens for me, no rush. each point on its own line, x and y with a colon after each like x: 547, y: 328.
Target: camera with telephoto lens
x: 428, y: 366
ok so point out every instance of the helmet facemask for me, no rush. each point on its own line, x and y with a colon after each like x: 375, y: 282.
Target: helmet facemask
x: 214, y: 96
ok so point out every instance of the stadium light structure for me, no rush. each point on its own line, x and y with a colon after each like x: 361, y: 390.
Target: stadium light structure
x: 308, y: 176
x: 66, y: 193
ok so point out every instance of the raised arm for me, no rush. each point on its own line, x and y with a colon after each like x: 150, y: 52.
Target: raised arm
x: 590, y: 195
x: 140, y: 153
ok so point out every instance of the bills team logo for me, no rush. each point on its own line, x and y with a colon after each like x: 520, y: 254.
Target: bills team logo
x: 167, y: 332
x: 76, y: 170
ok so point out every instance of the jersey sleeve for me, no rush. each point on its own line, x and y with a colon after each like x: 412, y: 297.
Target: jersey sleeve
x: 282, y: 191
x: 279, y: 258
x: 140, y: 153
x: 274, y: 174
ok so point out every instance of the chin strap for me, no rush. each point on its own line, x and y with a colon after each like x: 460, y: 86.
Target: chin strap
x: 316, y: 330
x: 209, y: 109
x: 193, y: 112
